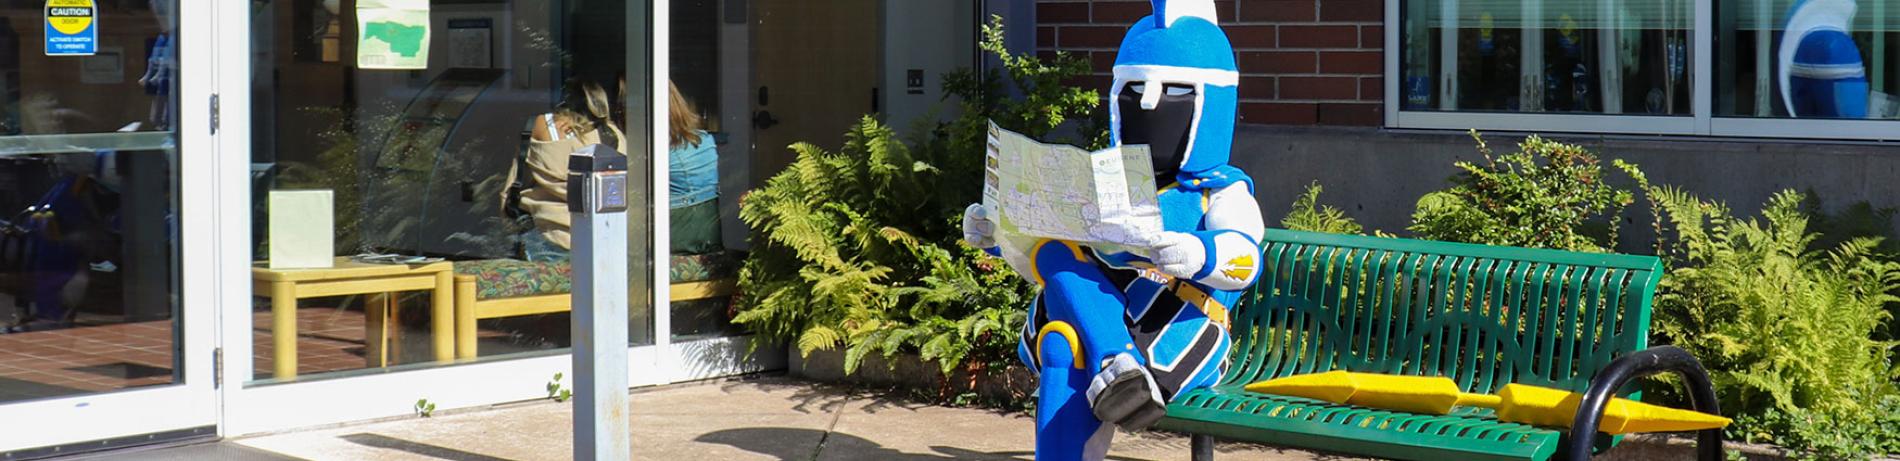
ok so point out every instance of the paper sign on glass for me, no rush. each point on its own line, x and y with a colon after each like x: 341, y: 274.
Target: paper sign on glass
x: 392, y: 34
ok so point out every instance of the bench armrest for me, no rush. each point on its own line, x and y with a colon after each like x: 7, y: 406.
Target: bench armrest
x: 1643, y: 363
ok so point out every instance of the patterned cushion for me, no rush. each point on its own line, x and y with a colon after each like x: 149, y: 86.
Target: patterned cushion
x: 509, y: 278
x: 703, y: 267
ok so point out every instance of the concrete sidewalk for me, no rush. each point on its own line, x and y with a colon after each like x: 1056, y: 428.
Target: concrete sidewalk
x: 753, y: 419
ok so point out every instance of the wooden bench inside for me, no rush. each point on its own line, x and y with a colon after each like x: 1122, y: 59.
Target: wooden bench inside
x: 492, y: 289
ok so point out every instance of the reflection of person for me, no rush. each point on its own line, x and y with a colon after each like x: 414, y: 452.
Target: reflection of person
x: 1113, y: 336
x: 692, y: 179
x: 582, y: 119
x: 160, y: 62
x: 1821, y: 71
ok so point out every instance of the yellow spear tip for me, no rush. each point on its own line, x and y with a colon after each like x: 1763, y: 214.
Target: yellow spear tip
x: 1332, y: 386
x: 1628, y: 416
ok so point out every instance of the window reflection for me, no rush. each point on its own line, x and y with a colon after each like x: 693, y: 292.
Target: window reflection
x: 1806, y: 59
x: 1595, y: 56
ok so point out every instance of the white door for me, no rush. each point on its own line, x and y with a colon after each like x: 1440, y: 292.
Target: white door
x: 106, y: 134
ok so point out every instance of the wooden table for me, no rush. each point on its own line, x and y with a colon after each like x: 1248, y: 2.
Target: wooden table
x: 285, y: 286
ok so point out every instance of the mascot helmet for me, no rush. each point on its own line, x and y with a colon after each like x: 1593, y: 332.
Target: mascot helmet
x: 1176, y: 88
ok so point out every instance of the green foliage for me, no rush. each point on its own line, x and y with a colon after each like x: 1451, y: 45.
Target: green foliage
x: 1787, y: 331
x: 1546, y: 195
x: 557, y: 391
x: 861, y: 247
x: 1309, y: 215
x: 424, y: 408
x: 858, y: 248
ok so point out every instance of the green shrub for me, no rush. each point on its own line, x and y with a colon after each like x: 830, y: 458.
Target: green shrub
x: 1546, y: 195
x: 861, y: 247
x: 1787, y: 331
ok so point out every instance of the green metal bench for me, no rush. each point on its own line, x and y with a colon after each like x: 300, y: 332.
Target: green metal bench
x: 1484, y: 316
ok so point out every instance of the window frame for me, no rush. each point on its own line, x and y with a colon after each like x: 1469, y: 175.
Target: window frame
x: 1700, y: 121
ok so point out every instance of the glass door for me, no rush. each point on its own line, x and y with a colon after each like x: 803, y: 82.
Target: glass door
x: 106, y: 142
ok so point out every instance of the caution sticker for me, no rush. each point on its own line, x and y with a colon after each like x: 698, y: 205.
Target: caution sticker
x: 72, y: 27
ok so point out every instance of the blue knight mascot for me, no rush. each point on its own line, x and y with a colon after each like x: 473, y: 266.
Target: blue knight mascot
x: 1820, y: 68
x: 1113, y: 336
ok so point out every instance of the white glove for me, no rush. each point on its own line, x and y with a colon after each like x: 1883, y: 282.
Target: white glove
x: 1179, y: 254
x: 978, y: 229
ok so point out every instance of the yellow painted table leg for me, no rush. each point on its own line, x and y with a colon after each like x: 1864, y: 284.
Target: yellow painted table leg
x: 465, y: 317
x: 376, y: 329
x: 442, y: 316
x: 283, y: 309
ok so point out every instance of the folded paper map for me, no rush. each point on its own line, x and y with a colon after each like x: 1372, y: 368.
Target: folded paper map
x: 1103, y: 199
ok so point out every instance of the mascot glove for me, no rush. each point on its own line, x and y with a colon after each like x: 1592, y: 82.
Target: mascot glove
x: 978, y: 228
x: 1179, y: 254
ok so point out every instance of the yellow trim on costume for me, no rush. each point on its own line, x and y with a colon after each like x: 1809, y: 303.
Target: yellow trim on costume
x: 1205, y: 200
x: 1068, y: 332
x: 1035, y: 273
x: 1215, y: 311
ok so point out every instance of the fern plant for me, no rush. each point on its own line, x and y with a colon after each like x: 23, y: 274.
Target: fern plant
x: 1308, y: 215
x: 860, y: 247
x: 1786, y: 330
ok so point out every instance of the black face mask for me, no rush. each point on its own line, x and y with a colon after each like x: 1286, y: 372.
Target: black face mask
x: 1164, y: 129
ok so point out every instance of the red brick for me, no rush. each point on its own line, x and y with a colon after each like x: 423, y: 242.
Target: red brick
x: 1245, y: 37
x: 1053, y: 13
x: 1256, y: 87
x: 1102, y: 62
x: 1089, y: 37
x: 1371, y: 89
x: 1319, y: 88
x: 1278, y: 62
x: 1372, y: 37
x: 1225, y: 10
x: 1280, y: 11
x: 1308, y: 36
x: 1122, y: 13
x: 1279, y: 113
x: 1350, y: 114
x: 1046, y: 55
x: 1351, y: 62
x: 1045, y: 37
x: 1351, y: 10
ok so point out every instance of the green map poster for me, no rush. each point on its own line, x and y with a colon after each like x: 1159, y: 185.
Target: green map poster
x: 392, y: 34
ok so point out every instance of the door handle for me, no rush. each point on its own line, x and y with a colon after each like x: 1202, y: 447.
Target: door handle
x: 763, y: 120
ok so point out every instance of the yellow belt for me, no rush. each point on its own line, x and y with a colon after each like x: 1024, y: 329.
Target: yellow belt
x: 1215, y: 311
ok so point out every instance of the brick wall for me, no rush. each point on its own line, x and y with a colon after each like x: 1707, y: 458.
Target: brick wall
x: 1302, y: 62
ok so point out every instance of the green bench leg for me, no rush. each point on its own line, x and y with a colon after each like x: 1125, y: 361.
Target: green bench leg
x: 1202, y: 447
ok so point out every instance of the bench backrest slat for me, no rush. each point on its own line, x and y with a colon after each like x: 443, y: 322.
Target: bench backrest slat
x: 1482, y: 315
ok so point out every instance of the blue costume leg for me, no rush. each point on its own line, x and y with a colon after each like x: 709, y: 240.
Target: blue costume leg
x: 1076, y: 292
x: 1065, y: 428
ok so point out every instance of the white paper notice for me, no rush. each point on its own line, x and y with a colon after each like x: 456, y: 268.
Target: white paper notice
x: 301, y: 234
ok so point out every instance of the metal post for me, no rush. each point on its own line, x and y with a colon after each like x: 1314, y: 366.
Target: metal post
x: 597, y: 197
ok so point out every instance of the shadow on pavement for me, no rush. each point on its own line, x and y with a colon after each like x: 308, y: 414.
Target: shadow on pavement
x: 772, y: 441
x: 432, y: 451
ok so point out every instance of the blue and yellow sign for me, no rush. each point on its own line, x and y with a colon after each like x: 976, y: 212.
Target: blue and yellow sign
x: 72, y: 28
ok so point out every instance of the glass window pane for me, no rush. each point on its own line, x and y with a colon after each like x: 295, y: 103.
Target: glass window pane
x: 1822, y: 58
x: 88, y: 200
x: 1589, y: 56
x: 439, y: 133
x: 702, y: 270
